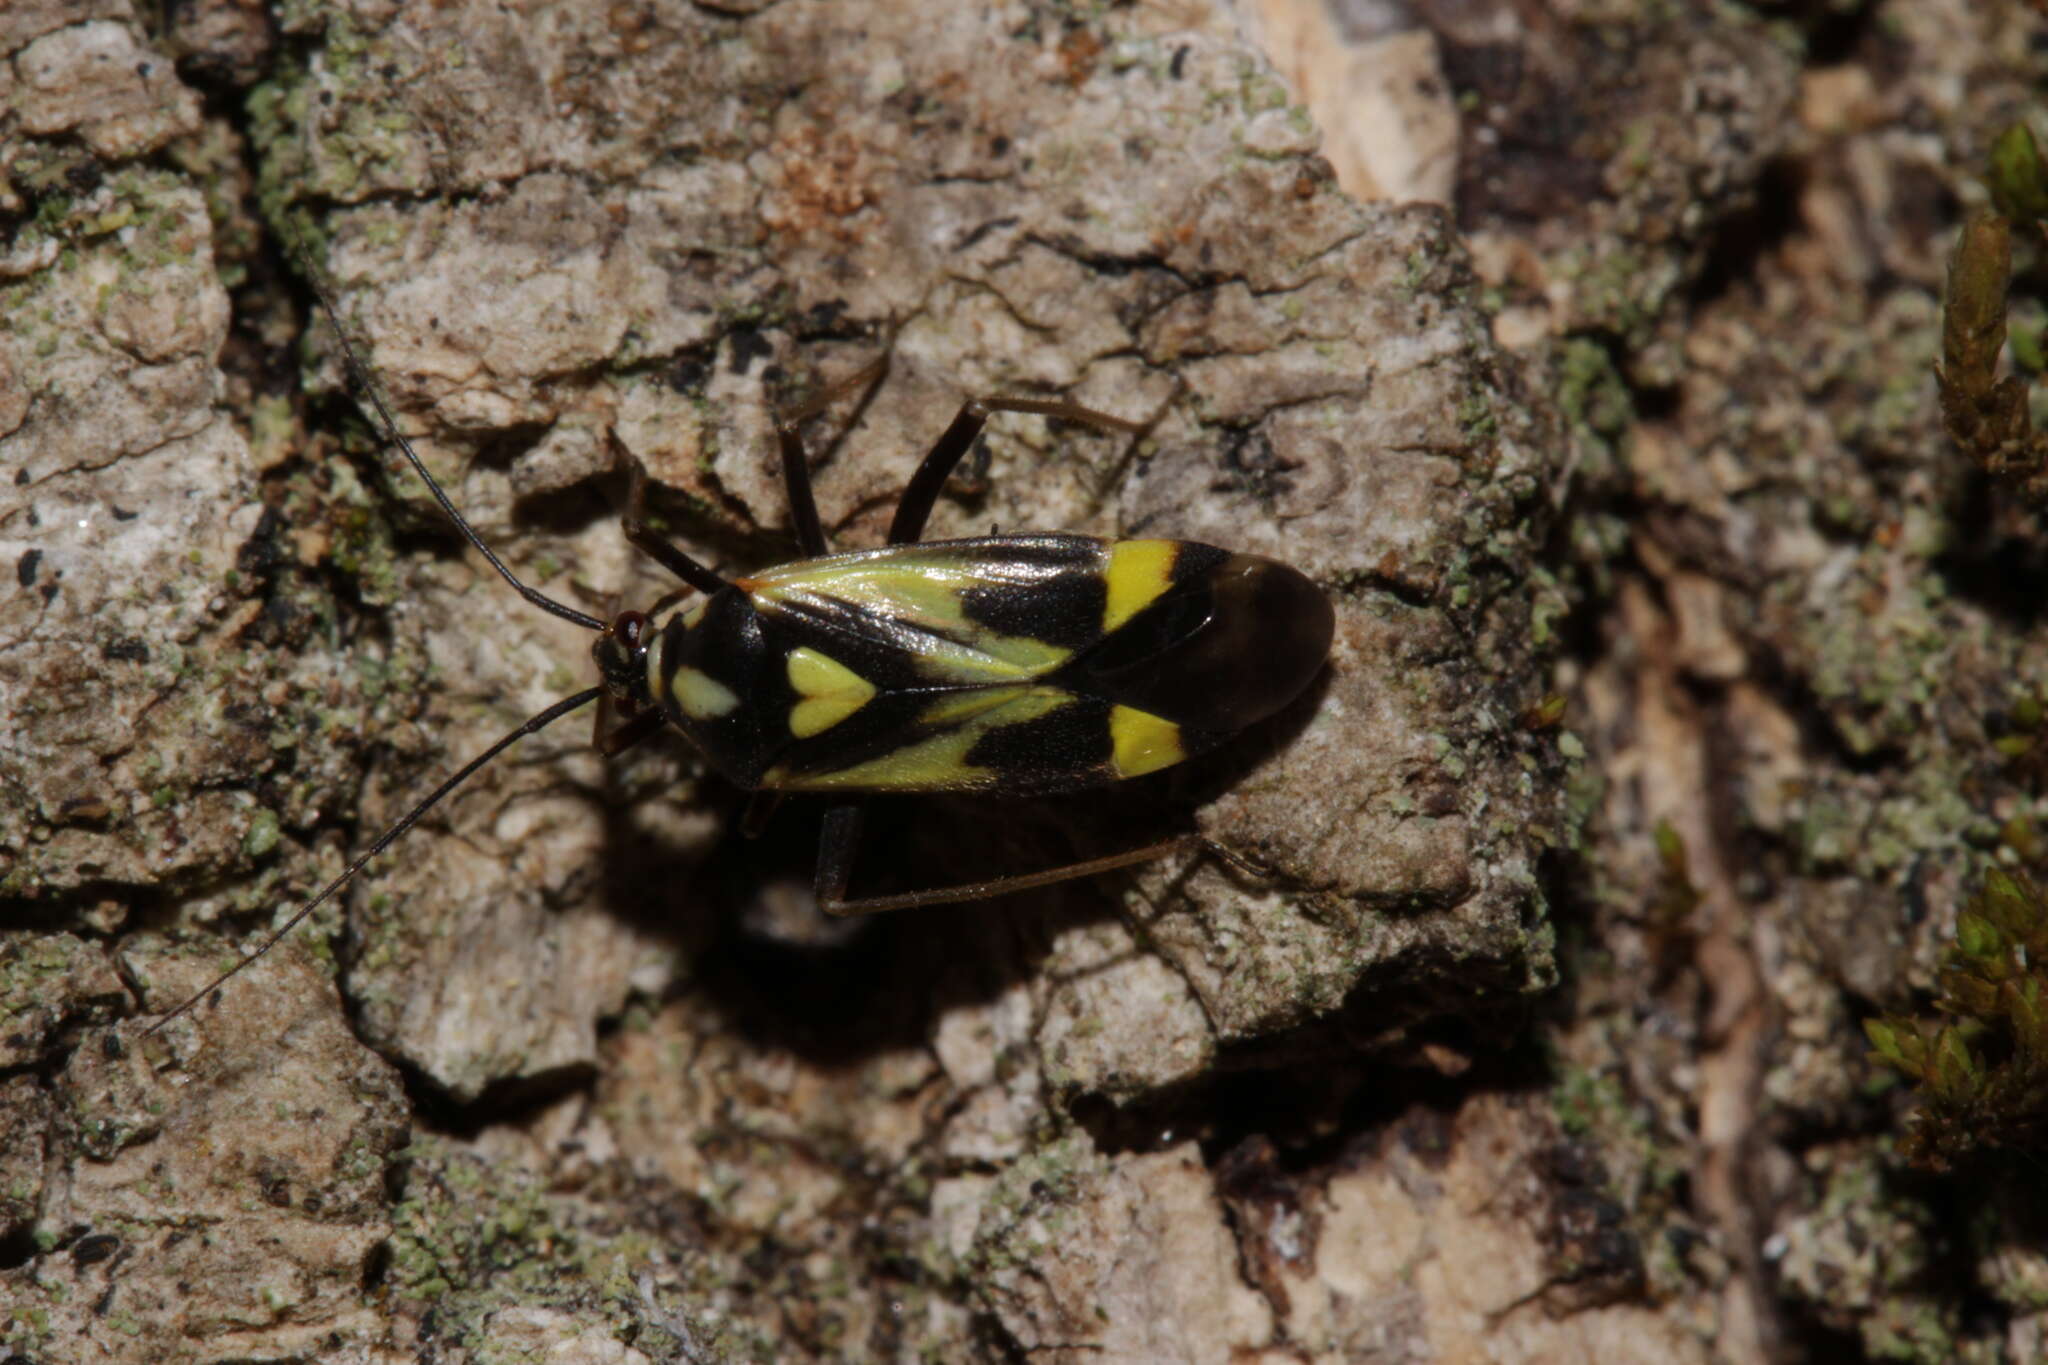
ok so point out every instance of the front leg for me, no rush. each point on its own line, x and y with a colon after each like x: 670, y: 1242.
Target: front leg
x: 644, y: 538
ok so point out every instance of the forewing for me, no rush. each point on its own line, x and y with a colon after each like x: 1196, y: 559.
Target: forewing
x: 1021, y: 739
x: 985, y: 665
x: 964, y: 613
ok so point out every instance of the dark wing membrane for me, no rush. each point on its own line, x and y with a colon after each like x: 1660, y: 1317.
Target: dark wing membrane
x: 1216, y: 651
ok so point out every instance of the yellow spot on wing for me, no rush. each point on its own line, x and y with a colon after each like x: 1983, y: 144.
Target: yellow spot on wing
x: 930, y: 598
x: 702, y: 696
x: 988, y: 657
x: 940, y: 762
x: 1143, y: 742
x: 957, y: 708
x: 830, y: 690
x: 1139, y: 570
x: 913, y: 593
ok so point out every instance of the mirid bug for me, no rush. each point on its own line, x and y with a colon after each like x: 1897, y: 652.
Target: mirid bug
x: 1008, y: 665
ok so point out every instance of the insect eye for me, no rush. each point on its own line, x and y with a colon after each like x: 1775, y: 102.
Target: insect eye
x: 621, y: 650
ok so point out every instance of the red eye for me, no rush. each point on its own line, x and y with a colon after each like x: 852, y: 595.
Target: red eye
x: 631, y: 629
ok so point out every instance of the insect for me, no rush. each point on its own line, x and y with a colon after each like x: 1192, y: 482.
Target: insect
x: 1014, y: 665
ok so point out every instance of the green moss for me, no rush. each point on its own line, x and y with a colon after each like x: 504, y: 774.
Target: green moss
x: 1982, y: 1066
x: 1675, y: 898
x: 1619, y: 290
x: 1593, y: 398
x: 1586, y: 1102
x: 1988, y: 417
x: 1476, y: 418
x: 363, y: 545
x: 2018, y: 181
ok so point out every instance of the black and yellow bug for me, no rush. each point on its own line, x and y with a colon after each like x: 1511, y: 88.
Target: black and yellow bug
x: 1020, y: 665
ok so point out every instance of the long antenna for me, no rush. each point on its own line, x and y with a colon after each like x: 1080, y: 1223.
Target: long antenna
x: 384, y: 841
x: 360, y: 374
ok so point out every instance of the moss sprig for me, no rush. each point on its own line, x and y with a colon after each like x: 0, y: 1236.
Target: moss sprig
x: 1982, y: 1071
x: 1985, y: 415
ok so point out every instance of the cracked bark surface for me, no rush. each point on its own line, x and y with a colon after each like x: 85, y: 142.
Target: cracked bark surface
x: 554, y: 230
x: 1017, y: 215
x: 579, y: 1074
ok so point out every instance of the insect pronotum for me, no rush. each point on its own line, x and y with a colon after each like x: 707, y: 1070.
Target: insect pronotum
x: 1026, y: 665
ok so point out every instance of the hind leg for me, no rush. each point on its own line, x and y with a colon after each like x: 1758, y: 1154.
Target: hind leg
x: 841, y: 841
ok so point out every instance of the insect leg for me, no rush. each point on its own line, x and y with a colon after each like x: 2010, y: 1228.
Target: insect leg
x: 921, y: 494
x: 645, y: 539
x: 796, y: 465
x: 616, y: 739
x: 837, y: 843
x: 841, y: 838
x: 760, y: 808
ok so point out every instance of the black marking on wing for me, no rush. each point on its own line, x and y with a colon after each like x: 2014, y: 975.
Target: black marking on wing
x: 1193, y: 561
x: 1056, y: 749
x: 1063, y: 609
x: 731, y: 646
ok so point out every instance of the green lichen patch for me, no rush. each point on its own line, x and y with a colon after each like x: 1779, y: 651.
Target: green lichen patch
x: 474, y: 1244
x: 49, y: 982
x: 1030, y: 1206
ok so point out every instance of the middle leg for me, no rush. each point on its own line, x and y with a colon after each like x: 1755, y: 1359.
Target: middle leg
x: 796, y: 465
